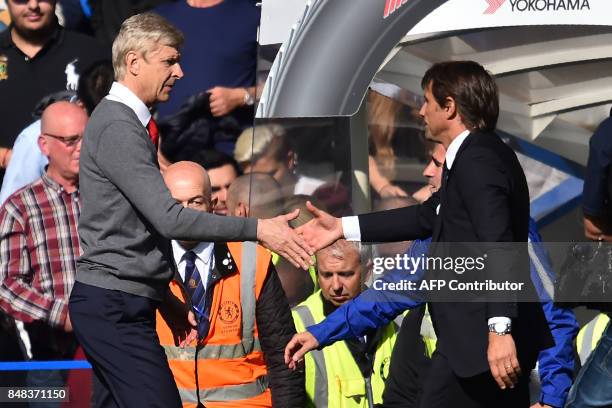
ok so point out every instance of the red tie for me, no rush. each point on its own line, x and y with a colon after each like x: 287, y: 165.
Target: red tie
x: 153, y: 131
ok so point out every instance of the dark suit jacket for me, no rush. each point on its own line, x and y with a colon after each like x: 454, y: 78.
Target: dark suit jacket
x: 484, y: 198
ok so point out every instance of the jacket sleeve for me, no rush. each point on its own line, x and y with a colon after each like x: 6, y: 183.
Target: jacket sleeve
x: 555, y: 364
x: 126, y: 159
x: 401, y: 224
x: 276, y: 328
x: 375, y: 307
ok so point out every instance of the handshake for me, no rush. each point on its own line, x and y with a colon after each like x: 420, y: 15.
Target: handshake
x: 297, y: 246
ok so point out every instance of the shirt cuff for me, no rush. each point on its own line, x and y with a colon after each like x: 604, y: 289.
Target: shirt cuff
x: 58, y: 313
x: 500, y: 319
x: 350, y: 228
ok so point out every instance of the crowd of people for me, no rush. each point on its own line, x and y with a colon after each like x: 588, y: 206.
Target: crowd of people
x: 149, y: 226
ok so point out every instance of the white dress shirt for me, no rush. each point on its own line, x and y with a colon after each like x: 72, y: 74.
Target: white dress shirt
x: 205, y: 261
x: 121, y: 93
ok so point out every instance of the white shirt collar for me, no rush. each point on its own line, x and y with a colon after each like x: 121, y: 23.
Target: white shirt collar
x: 121, y: 93
x: 203, y: 251
x: 453, y: 148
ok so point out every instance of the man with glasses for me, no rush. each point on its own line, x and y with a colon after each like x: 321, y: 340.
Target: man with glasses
x: 39, y: 244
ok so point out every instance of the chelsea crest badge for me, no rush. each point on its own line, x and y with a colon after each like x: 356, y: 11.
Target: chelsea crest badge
x: 3, y: 67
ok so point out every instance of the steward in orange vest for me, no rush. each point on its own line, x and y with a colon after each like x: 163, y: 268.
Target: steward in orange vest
x: 240, y: 362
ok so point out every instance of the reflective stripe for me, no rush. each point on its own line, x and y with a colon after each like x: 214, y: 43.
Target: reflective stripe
x: 547, y: 283
x: 248, y: 270
x: 589, y: 336
x: 586, y: 337
x: 227, y: 393
x: 210, y: 351
x: 321, y: 394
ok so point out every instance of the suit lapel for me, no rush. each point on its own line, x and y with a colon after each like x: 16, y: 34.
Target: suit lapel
x: 446, y: 177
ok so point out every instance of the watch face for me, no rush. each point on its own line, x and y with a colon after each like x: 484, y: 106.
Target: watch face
x: 500, y: 327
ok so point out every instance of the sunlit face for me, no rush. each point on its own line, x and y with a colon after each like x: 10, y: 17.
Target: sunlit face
x: 157, y: 74
x: 220, y: 180
x: 339, y: 279
x: 31, y: 15
x: 434, y: 116
x: 190, y: 194
x: 433, y: 171
x: 269, y: 164
x: 61, y: 141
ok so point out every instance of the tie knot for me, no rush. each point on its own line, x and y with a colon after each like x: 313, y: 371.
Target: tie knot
x: 189, y: 257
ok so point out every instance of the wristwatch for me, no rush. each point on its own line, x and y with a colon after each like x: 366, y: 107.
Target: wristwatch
x: 248, y: 98
x: 500, y: 328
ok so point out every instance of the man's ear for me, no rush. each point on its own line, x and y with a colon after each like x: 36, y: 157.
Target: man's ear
x: 43, y: 144
x: 450, y: 107
x: 132, y: 62
x: 242, y: 210
x: 290, y: 159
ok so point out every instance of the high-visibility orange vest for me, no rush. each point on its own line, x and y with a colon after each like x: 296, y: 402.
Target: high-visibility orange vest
x: 230, y: 364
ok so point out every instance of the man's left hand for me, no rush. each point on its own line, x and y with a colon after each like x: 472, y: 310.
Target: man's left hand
x: 224, y: 100
x: 538, y: 405
x: 503, y: 360
x: 180, y: 319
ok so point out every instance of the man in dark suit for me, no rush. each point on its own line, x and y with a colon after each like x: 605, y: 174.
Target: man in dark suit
x: 484, y: 198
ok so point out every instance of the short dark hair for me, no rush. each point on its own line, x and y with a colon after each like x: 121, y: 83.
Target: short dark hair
x: 210, y: 159
x: 94, y: 84
x: 471, y: 86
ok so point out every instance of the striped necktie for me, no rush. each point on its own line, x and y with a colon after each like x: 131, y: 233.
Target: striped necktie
x: 196, y: 290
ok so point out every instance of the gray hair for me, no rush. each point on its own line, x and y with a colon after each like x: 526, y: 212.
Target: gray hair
x: 143, y: 32
x: 339, y: 249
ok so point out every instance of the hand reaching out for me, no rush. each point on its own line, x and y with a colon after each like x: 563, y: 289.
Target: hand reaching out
x: 297, y: 348
x: 276, y: 235
x: 323, y: 230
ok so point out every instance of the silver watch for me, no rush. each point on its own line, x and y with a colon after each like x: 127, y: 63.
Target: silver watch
x: 248, y: 98
x: 500, y: 328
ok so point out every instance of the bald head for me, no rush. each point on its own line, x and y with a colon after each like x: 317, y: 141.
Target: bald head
x: 259, y: 192
x: 62, y: 128
x: 63, y: 117
x: 189, y: 185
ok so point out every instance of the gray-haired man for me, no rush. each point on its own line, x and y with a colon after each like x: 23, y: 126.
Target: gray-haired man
x: 128, y: 218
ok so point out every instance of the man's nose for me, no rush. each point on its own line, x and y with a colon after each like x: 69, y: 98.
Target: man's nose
x: 336, y: 284
x: 178, y: 71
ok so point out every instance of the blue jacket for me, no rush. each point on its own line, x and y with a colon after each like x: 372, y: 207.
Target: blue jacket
x: 376, y: 308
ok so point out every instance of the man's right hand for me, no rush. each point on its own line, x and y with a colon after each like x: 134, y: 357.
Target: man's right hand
x: 323, y: 230
x: 297, y: 348
x: 276, y: 235
x: 68, y: 324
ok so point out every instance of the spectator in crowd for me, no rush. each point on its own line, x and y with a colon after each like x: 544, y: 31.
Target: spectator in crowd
x: 592, y: 387
x: 126, y: 263
x: 38, y: 231
x: 261, y: 320
x: 28, y: 162
x: 39, y: 58
x: 259, y: 195
x: 349, y: 373
x: 222, y: 170
x: 255, y: 195
x: 219, y: 58
x: 108, y: 15
x: 265, y: 149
